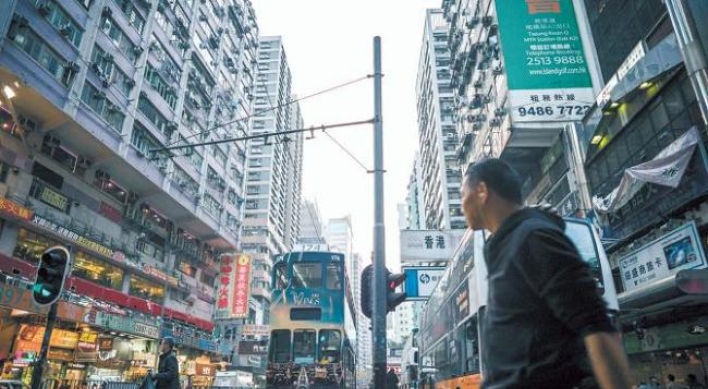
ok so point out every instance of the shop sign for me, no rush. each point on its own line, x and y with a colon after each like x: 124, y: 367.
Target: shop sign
x: 86, y: 350
x: 70, y: 312
x: 72, y: 236
x: 18, y: 298
x: 124, y: 324
x: 551, y: 81
x: 418, y: 246
x: 11, y: 208
x: 30, y: 338
x: 421, y: 281
x: 678, y: 250
x: 54, y: 199
x: 207, y: 345
x: 234, y: 286
x: 110, y: 212
x: 255, y: 330
x: 105, y: 344
x: 59, y: 354
x: 205, y: 370
x: 253, y: 347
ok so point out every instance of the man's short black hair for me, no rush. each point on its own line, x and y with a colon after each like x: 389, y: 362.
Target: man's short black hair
x: 170, y: 341
x: 499, y: 176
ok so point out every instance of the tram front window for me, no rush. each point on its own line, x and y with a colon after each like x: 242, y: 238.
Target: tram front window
x: 280, y: 346
x: 307, y: 275
x: 330, y: 346
x: 304, y: 342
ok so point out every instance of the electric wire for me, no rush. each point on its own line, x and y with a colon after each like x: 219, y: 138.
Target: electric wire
x: 247, y: 117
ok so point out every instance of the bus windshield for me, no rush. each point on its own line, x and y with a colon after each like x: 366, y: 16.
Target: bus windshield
x: 307, y: 275
x: 582, y: 237
x: 280, y: 346
x: 304, y: 346
x: 330, y: 345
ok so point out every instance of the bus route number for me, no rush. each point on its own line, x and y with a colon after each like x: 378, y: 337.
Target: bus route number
x: 562, y: 110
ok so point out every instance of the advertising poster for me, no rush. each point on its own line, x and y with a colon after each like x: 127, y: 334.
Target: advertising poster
x: 548, y: 76
x: 678, y: 250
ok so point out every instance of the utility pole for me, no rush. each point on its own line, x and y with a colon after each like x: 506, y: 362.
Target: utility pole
x: 694, y: 57
x: 379, y: 291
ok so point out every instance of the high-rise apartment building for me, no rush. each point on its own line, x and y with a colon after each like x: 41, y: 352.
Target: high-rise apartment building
x: 92, y: 93
x: 437, y: 135
x: 415, y: 200
x: 311, y: 228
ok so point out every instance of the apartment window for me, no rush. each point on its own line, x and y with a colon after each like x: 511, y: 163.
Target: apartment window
x: 118, y: 36
x: 47, y: 58
x: 131, y: 13
x: 219, y: 155
x: 185, y: 182
x: 144, y: 141
x: 154, y: 116
x: 98, y: 102
x: 211, y: 205
x: 232, y: 222
x: 67, y: 27
x: 104, y: 66
x: 162, y: 87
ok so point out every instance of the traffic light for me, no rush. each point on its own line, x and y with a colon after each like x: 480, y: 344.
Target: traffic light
x: 51, y: 273
x: 394, y: 299
x: 367, y: 281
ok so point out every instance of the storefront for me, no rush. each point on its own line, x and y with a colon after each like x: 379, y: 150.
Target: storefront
x: 664, y: 303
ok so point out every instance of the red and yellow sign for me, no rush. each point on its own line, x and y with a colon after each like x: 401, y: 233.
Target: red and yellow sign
x: 11, y: 208
x: 234, y: 286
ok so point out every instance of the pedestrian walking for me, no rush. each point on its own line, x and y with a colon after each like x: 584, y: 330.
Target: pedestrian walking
x: 167, y: 376
x: 692, y: 382
x: 391, y: 379
x: 546, y: 326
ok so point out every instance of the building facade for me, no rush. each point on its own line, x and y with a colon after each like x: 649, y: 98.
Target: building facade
x: 437, y: 134
x: 415, y: 200
x: 648, y: 103
x: 273, y: 175
x: 311, y: 228
x: 93, y: 92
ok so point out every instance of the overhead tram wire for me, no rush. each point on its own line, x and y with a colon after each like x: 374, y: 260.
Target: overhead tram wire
x: 247, y: 117
x: 263, y: 135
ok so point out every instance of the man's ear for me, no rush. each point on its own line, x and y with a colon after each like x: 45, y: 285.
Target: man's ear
x: 482, y: 192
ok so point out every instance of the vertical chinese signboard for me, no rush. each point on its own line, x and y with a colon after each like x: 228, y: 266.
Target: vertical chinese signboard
x: 545, y: 63
x: 234, y: 286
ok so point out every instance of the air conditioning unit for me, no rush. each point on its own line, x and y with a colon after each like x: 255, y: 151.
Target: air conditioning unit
x: 495, y: 122
x: 499, y: 112
x: 107, y: 11
x: 497, y: 69
x: 83, y: 162
x: 42, y: 7
x: 487, y: 21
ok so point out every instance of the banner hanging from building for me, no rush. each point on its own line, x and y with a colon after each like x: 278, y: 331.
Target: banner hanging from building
x: 234, y: 287
x: 666, y: 169
x: 548, y: 78
x: 678, y: 250
x: 426, y: 246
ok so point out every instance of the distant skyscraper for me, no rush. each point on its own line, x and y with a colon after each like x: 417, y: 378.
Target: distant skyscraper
x: 311, y: 229
x: 415, y: 199
x: 436, y: 128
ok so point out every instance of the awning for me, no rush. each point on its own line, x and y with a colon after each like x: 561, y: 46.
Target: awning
x: 685, y: 283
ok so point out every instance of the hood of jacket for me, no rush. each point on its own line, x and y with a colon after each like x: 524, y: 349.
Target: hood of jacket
x: 517, y: 218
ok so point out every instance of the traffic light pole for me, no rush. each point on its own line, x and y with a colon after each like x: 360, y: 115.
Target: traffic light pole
x: 42, y: 360
x: 379, y: 292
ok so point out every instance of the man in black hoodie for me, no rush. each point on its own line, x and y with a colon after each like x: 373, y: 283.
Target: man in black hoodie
x: 546, y: 326
x: 167, y: 376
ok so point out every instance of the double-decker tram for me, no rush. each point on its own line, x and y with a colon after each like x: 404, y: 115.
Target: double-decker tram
x: 313, y: 333
x: 448, y: 340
